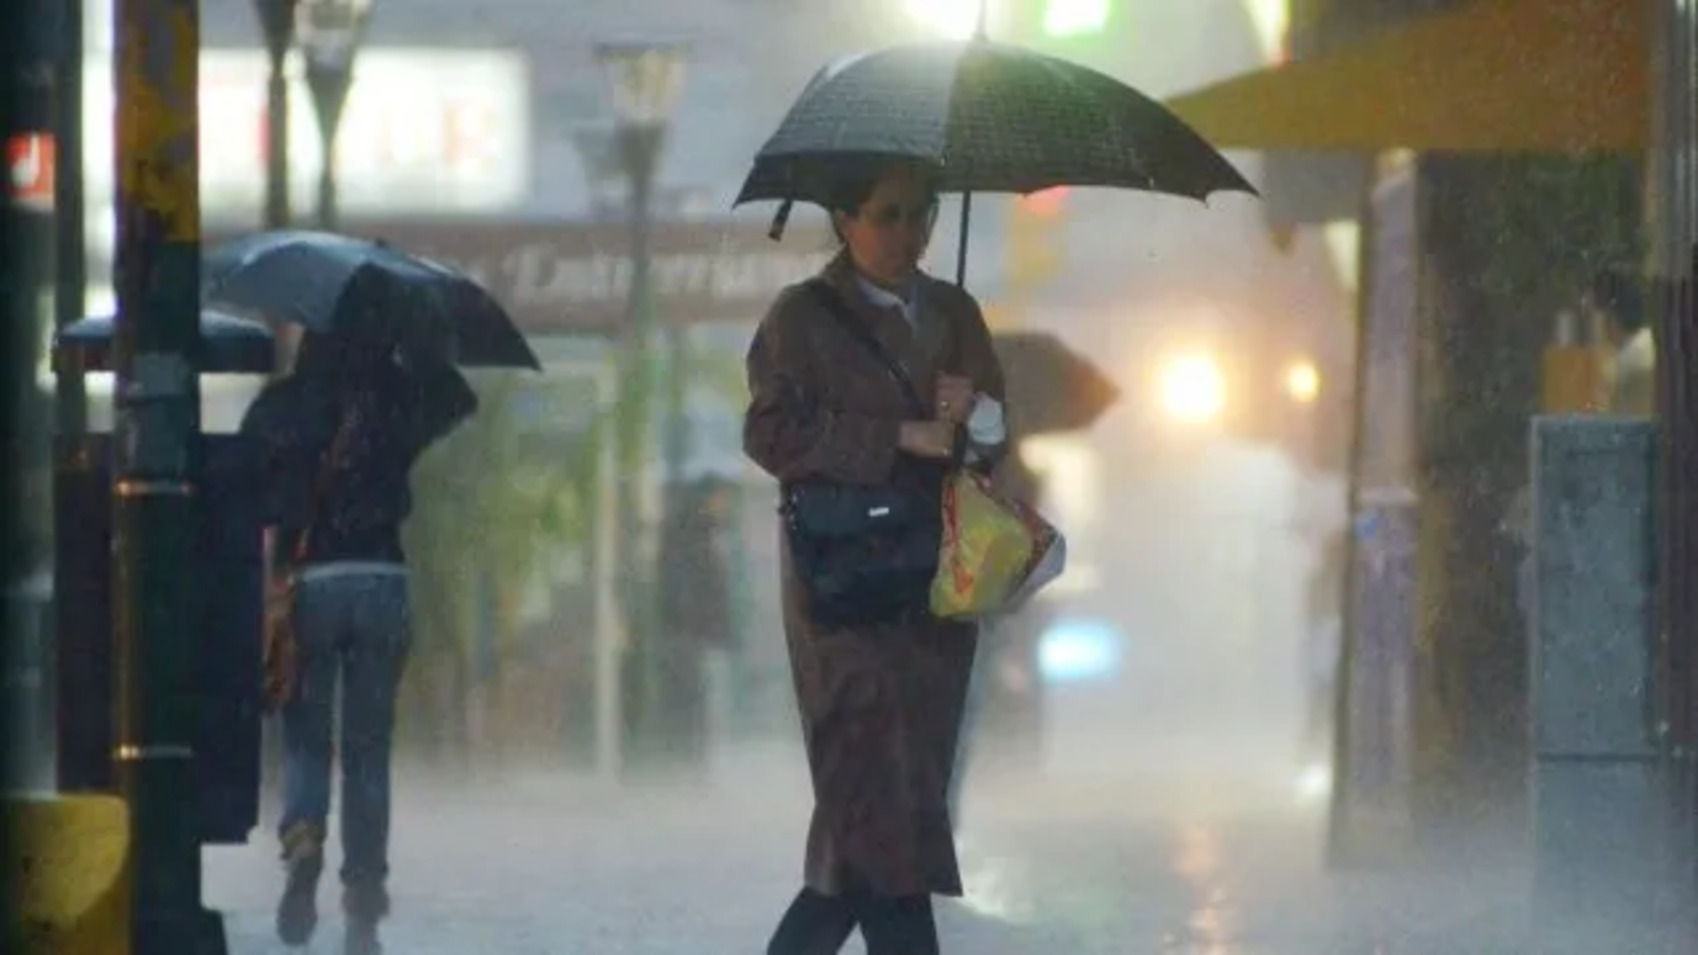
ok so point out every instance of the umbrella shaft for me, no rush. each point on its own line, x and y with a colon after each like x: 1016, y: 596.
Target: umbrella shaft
x: 961, y: 242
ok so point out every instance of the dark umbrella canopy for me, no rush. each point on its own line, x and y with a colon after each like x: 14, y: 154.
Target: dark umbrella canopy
x: 425, y: 400
x: 228, y: 344
x: 991, y: 118
x: 1051, y: 387
x: 304, y: 277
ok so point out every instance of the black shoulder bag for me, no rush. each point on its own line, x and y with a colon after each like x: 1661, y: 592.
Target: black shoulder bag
x: 867, y: 555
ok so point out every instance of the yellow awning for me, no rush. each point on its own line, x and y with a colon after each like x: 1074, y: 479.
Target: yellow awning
x: 1494, y: 75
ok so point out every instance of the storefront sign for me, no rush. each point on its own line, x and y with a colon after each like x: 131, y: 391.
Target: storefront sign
x: 574, y: 277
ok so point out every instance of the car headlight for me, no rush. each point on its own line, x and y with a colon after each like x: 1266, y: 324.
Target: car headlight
x: 1193, y: 388
x: 1303, y: 382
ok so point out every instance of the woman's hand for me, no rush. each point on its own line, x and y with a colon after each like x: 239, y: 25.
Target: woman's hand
x: 955, y: 398
x: 928, y: 439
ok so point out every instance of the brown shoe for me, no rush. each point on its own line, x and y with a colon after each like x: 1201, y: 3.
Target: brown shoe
x: 303, y: 861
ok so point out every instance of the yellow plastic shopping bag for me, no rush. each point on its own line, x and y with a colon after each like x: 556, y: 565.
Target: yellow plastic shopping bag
x: 1049, y: 560
x: 988, y: 549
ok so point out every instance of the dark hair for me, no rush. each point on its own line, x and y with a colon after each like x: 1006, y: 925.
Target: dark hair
x: 339, y: 358
x: 849, y: 191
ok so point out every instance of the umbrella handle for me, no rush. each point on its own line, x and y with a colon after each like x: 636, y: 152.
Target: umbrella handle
x: 779, y: 220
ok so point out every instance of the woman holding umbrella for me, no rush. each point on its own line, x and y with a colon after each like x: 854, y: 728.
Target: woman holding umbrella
x: 881, y: 702
x: 881, y: 705
x: 336, y: 442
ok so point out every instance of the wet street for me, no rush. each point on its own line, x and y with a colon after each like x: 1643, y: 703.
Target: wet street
x: 531, y: 865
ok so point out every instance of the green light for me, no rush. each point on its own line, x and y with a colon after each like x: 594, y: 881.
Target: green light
x: 1064, y: 18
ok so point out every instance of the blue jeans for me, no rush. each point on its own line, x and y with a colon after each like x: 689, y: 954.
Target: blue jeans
x: 352, y: 621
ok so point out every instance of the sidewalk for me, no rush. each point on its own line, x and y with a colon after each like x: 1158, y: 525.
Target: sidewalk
x: 538, y: 864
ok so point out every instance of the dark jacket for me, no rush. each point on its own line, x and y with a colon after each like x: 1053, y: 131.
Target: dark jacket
x: 356, y: 504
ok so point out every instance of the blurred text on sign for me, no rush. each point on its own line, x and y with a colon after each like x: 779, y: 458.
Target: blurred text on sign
x: 574, y: 276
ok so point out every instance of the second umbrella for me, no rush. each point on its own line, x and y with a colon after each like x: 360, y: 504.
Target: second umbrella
x: 303, y: 277
x: 1052, y: 387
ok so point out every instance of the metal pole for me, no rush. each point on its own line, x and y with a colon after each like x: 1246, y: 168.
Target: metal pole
x: 70, y: 253
x: 326, y: 212
x: 329, y: 85
x: 1673, y: 264
x: 677, y: 448
x: 277, y: 17
x: 675, y: 454
x: 639, y: 148
x: 157, y: 469
x: 19, y: 331
x: 276, y: 146
x: 1339, y: 848
x: 609, y: 614
x: 595, y: 148
x: 277, y: 21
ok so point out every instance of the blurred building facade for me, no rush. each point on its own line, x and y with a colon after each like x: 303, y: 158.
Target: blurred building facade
x: 1117, y: 261
x: 1471, y: 243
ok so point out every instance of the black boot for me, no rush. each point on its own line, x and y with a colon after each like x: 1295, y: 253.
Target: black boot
x: 898, y: 926
x: 363, y: 906
x: 814, y: 924
x: 303, y: 861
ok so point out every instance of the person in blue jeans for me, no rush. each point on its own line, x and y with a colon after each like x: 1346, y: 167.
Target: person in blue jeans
x: 337, y: 441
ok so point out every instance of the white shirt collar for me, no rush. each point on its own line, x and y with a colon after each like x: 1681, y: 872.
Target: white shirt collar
x: 885, y: 298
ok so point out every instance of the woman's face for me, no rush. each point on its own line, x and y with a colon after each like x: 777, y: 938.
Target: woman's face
x: 887, y: 235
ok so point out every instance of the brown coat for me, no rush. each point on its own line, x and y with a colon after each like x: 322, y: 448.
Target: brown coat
x: 881, y: 708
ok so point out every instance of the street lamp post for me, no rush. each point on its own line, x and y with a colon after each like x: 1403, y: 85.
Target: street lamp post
x: 330, y: 32
x: 277, y: 23
x: 70, y: 222
x: 277, y: 20
x: 604, y: 170
x: 645, y: 79
x: 156, y: 450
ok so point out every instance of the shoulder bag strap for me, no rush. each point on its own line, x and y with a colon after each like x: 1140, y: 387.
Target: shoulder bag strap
x: 856, y: 329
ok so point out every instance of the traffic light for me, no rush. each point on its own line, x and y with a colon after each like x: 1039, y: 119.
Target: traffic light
x: 1069, y: 18
x: 1034, y: 237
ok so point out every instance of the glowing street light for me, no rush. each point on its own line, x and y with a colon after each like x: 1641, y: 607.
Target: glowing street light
x: 1193, y: 389
x: 952, y: 19
x: 1068, y: 18
x: 1303, y: 382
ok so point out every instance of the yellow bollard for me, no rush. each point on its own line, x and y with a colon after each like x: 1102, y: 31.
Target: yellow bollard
x: 67, y: 866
